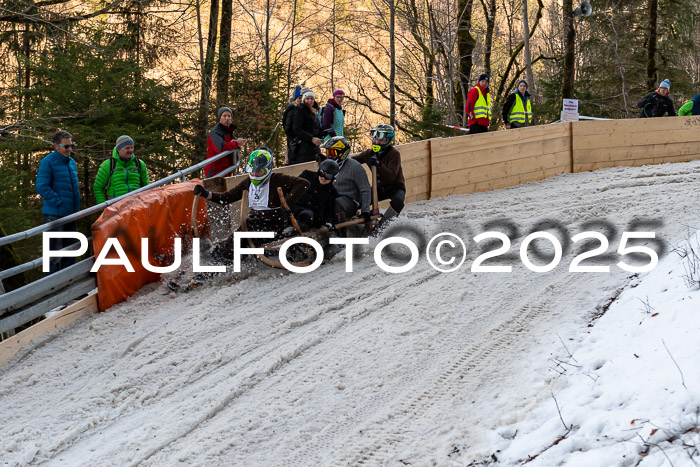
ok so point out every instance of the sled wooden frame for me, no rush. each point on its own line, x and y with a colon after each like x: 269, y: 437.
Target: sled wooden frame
x: 193, y: 218
x: 267, y: 260
x: 324, y: 230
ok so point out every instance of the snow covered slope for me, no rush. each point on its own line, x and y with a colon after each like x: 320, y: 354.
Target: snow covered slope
x: 267, y: 367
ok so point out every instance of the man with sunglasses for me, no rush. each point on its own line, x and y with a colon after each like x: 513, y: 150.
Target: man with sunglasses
x: 57, y: 183
x: 386, y: 158
x: 316, y: 207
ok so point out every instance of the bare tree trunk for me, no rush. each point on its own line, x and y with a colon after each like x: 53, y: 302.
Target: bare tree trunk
x: 465, y: 46
x: 291, y: 47
x: 526, y: 48
x: 333, y: 49
x: 567, y: 86
x: 392, y: 75
x: 207, y: 73
x: 620, y: 67
x: 268, y: 14
x: 653, y: 10
x: 224, y: 62
x: 490, y: 15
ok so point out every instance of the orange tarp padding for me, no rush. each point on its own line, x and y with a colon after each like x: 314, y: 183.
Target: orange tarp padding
x: 159, y: 214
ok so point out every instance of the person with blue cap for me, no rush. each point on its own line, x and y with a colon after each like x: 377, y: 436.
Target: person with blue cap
x: 657, y: 103
x: 288, y: 124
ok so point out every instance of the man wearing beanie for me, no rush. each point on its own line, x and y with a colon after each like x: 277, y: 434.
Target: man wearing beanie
x: 334, y: 115
x: 121, y: 174
x: 657, y: 103
x: 478, y: 106
x: 288, y: 123
x: 221, y: 139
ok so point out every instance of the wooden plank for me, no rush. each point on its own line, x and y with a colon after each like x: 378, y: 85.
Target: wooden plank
x: 675, y: 159
x: 413, y: 151
x: 415, y: 168
x: 418, y: 185
x: 443, y: 192
x: 630, y: 125
x: 10, y: 346
x: 627, y: 153
x: 479, y: 158
x: 637, y: 139
x: 497, y: 140
x: 455, y: 178
x: 590, y: 156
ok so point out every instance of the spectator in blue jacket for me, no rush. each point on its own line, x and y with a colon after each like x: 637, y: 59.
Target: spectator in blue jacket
x: 57, y: 183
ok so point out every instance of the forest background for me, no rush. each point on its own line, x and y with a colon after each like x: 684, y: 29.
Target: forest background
x: 158, y: 70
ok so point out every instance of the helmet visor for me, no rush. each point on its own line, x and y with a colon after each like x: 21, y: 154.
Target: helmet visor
x: 378, y: 134
x: 332, y: 153
x: 325, y: 175
x: 256, y: 163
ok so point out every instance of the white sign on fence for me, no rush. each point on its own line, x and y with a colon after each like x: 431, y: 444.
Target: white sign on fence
x: 569, y: 110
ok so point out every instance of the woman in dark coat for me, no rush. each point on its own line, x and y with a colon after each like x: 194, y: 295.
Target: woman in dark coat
x: 307, y: 128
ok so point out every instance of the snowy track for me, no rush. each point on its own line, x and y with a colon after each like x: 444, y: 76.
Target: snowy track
x: 332, y: 368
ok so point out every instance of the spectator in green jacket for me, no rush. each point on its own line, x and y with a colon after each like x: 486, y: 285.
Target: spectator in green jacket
x: 122, y: 173
x: 692, y: 107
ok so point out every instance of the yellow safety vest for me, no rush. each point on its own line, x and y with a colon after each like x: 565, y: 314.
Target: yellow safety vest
x: 482, y: 107
x: 518, y: 113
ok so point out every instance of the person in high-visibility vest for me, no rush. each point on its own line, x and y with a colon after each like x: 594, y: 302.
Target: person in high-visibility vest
x: 478, y: 106
x: 517, y: 111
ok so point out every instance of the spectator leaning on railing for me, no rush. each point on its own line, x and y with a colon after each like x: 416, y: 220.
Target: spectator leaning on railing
x: 221, y: 139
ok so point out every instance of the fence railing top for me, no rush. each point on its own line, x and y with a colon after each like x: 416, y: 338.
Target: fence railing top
x: 91, y: 210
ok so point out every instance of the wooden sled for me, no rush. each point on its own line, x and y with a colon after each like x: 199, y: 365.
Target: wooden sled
x: 370, y: 227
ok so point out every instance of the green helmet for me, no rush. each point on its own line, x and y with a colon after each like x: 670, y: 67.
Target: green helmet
x: 260, y: 159
x: 379, y: 132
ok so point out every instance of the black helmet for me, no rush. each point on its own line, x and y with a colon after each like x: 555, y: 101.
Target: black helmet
x: 337, y: 148
x: 379, y: 132
x: 328, y: 169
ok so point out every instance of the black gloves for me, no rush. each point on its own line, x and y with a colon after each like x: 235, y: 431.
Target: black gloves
x: 373, y: 161
x: 365, y: 216
x: 199, y: 190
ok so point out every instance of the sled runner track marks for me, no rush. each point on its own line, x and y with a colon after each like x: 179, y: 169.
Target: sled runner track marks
x: 384, y: 433
x: 476, y: 360
x: 269, y: 357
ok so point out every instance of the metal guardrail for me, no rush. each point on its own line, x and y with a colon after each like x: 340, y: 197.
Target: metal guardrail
x: 99, y: 207
x: 33, y: 300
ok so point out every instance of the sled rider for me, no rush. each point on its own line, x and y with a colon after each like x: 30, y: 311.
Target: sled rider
x: 266, y: 212
x: 386, y: 158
